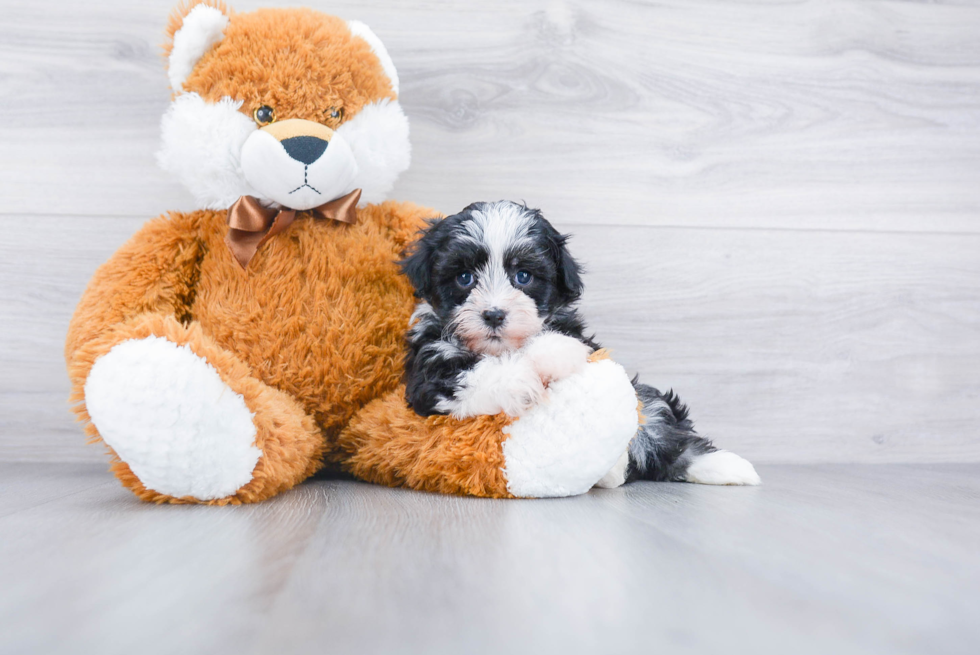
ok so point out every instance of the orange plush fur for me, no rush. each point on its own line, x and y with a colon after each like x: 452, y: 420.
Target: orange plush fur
x: 317, y: 66
x: 387, y: 444
x: 312, y: 332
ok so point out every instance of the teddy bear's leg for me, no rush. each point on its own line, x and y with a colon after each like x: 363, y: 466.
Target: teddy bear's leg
x: 561, y: 447
x: 185, y: 418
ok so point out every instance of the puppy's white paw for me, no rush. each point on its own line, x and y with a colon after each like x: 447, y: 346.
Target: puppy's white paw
x: 556, y: 356
x: 506, y: 384
x: 520, y: 394
x: 722, y: 467
x: 616, y: 477
x: 169, y: 416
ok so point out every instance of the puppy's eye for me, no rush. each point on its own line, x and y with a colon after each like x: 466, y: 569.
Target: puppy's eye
x: 465, y: 279
x: 264, y: 115
x: 522, y: 278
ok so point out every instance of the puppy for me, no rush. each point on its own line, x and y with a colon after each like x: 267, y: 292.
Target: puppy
x: 496, y: 323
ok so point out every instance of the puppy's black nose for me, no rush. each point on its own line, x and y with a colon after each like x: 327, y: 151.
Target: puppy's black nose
x: 306, y: 149
x: 494, y: 317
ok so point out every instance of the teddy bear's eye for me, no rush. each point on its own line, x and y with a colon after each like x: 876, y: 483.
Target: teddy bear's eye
x: 336, y: 114
x: 264, y: 115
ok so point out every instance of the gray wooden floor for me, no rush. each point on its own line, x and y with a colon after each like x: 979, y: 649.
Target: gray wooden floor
x: 821, y: 559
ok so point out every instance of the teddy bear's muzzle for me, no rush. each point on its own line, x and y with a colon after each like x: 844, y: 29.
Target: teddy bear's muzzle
x: 298, y: 164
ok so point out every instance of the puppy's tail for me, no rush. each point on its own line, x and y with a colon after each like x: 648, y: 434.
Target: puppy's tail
x: 666, y: 443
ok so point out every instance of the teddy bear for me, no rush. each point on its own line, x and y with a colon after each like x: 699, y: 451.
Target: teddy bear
x: 226, y: 354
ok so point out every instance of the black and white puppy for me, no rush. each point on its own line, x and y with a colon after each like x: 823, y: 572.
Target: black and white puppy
x: 497, y: 322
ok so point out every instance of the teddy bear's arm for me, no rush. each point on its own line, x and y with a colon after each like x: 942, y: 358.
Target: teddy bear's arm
x: 153, y: 273
x: 560, y: 447
x: 388, y: 443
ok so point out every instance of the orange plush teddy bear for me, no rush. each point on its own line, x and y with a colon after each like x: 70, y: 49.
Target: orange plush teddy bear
x: 227, y: 354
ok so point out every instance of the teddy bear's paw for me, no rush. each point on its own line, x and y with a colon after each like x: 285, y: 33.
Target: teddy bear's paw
x: 556, y: 356
x: 722, y: 467
x: 567, y: 443
x: 166, y: 412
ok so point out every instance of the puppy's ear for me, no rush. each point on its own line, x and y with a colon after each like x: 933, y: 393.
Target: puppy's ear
x: 417, y: 265
x: 569, y: 272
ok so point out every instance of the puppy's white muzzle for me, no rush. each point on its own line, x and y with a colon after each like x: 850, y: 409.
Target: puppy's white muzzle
x: 299, y: 164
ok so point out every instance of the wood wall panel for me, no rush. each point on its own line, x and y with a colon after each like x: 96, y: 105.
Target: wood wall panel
x: 777, y: 201
x: 843, y: 114
x: 790, y: 345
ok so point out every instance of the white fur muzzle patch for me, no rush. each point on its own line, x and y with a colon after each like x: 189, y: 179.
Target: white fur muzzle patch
x: 201, y: 145
x: 278, y: 177
x: 571, y: 439
x: 378, y: 137
x: 169, y: 416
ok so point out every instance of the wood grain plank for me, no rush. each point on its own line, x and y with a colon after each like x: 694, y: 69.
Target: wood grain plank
x: 45, y: 265
x: 123, y: 576
x: 821, y: 559
x: 511, y: 577
x: 26, y: 486
x: 826, y: 343
x: 39, y: 427
x: 790, y: 346
x: 845, y: 115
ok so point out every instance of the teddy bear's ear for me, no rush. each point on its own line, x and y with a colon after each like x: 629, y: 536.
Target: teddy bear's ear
x: 361, y: 30
x: 194, y: 27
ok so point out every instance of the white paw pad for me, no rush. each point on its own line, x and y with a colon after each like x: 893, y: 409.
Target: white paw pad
x: 569, y: 441
x: 722, y: 467
x: 170, y: 417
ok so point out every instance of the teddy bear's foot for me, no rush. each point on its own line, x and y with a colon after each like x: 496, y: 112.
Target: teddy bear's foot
x: 563, y: 446
x: 186, y: 419
x: 169, y: 416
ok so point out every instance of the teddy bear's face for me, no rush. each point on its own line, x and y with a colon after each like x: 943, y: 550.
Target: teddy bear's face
x: 291, y: 106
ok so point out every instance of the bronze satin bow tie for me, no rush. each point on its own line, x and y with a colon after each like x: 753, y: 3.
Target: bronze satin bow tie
x: 251, y: 225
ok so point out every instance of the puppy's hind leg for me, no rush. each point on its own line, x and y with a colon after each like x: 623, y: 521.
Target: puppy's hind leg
x: 667, y: 448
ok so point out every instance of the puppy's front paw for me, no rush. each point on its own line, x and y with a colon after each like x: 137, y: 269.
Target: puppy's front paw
x: 522, y: 395
x: 556, y: 356
x: 498, y: 384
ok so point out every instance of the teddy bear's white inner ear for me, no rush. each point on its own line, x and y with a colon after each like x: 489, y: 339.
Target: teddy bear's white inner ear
x: 202, y: 28
x: 361, y: 30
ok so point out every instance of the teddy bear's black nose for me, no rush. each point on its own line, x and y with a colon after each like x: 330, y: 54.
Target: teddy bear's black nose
x: 306, y: 149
